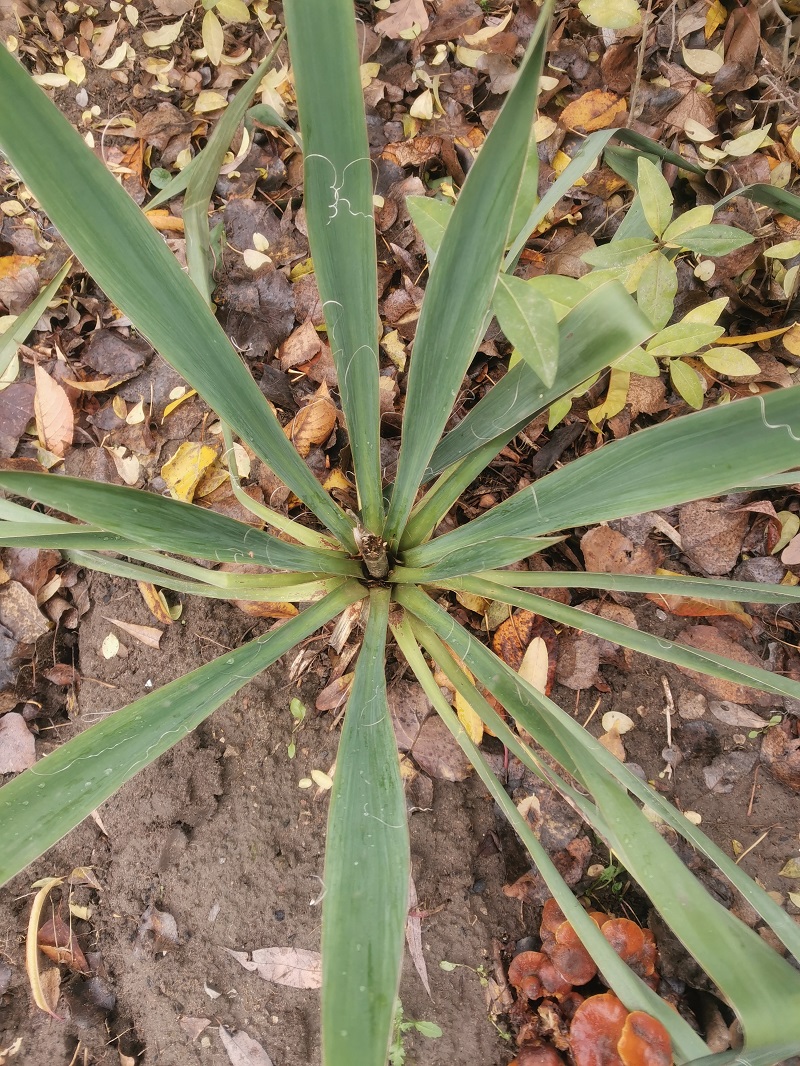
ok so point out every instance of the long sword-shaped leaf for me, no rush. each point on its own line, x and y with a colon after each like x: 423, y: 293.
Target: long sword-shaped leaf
x: 366, y: 868
x: 339, y: 212
x: 134, y: 267
x: 727, y: 949
x: 700, y: 588
x: 639, y: 640
x: 34, y: 535
x: 463, y: 280
x: 469, y: 560
x: 43, y: 803
x: 200, y: 187
x: 604, y: 326
x: 19, y: 330
x: 171, y: 525
x: 635, y: 994
x: 693, y: 457
x: 291, y: 591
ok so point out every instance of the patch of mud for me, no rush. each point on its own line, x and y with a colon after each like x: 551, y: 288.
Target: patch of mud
x: 217, y: 834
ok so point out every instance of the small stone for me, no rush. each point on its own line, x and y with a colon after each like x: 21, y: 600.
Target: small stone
x: 692, y: 705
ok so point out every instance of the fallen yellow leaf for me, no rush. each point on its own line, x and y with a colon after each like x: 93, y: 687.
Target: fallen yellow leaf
x: 183, y: 471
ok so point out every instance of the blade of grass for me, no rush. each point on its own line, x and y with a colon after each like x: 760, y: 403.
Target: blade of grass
x: 463, y: 280
x: 604, y: 326
x: 366, y: 868
x: 727, y: 950
x: 172, y: 525
x: 44, y: 803
x: 17, y: 333
x: 639, y: 640
x: 633, y: 992
x: 653, y: 468
x: 137, y: 271
x: 339, y: 213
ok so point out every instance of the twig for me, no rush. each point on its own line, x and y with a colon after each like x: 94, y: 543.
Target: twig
x: 753, y: 791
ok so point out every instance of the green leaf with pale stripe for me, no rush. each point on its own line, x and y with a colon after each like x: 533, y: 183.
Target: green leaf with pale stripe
x: 655, y: 195
x: 598, y: 330
x: 339, y: 213
x: 701, y: 588
x: 174, y: 526
x: 133, y: 265
x: 713, y: 240
x: 657, y: 289
x: 53, y: 796
x: 668, y: 651
x: 463, y: 280
x: 529, y: 323
x: 367, y: 866
x: 657, y: 467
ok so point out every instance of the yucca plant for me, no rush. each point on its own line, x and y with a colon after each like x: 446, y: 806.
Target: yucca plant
x: 388, y: 557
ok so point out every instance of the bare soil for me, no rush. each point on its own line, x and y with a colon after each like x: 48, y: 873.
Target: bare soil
x: 218, y: 835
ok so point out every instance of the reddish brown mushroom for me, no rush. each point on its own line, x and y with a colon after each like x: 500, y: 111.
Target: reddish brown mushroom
x: 570, y: 957
x: 644, y: 1041
x: 596, y: 1030
x: 533, y: 974
x: 605, y: 1033
x: 537, y: 1055
x: 634, y: 945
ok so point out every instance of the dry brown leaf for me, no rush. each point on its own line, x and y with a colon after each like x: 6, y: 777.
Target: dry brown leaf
x: 709, y: 638
x: 334, y: 696
x: 595, y: 110
x: 405, y: 19
x: 156, y: 603
x: 535, y: 665
x: 409, y: 707
x: 20, y: 614
x: 780, y: 753
x: 193, y: 1026
x: 300, y: 347
x: 182, y: 473
x: 414, y: 936
x: 295, y: 967
x: 243, y: 1050
x: 438, y: 754
x: 612, y: 741
x: 11, y: 265
x: 513, y: 637
x: 148, y: 635
x: 59, y: 944
x: 607, y: 551
x: 314, y: 423
x: 712, y: 535
x: 55, y: 421
x: 17, y: 746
